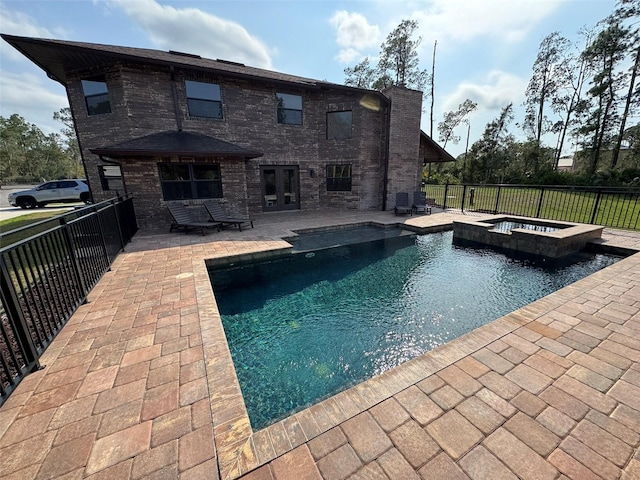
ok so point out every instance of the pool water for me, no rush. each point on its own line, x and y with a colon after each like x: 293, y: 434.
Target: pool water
x: 305, y: 326
x: 507, y: 226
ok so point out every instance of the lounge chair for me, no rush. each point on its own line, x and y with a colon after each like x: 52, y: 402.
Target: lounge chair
x: 183, y: 219
x: 402, y: 204
x: 218, y: 215
x: 420, y: 203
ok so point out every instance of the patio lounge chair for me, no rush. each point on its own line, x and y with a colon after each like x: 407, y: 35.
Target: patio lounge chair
x: 183, y: 219
x: 420, y: 203
x: 218, y: 215
x: 402, y: 204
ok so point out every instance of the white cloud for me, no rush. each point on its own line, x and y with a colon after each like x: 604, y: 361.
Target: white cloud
x: 348, y: 55
x: 495, y: 92
x: 194, y: 31
x: 19, y: 23
x: 354, y: 34
x: 464, y: 20
x: 36, y: 102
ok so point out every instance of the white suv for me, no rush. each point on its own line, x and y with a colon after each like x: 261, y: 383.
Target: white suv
x: 56, y: 191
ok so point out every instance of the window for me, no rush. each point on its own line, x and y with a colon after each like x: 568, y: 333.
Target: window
x: 289, y: 108
x: 181, y: 181
x: 96, y: 96
x: 339, y: 125
x: 338, y: 178
x: 203, y: 99
x: 111, y: 177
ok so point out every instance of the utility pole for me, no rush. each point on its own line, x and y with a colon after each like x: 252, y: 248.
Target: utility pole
x: 466, y: 149
x: 433, y: 73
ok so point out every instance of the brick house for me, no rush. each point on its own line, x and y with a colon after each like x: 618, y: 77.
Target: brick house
x: 167, y: 126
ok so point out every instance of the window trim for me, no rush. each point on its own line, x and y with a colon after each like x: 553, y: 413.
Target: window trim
x: 203, y: 99
x: 342, y: 183
x: 350, y: 125
x: 284, y: 109
x: 192, y: 181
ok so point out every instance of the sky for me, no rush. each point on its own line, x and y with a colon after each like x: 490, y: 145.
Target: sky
x: 485, y: 48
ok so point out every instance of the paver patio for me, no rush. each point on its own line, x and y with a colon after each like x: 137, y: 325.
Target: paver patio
x: 140, y: 383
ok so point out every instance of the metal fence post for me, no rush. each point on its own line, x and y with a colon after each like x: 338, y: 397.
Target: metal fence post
x: 595, y: 207
x: 116, y: 210
x: 495, y: 210
x: 540, y: 202
x: 464, y: 194
x: 444, y: 200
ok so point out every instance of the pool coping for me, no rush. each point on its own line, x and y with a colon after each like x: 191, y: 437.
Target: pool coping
x: 241, y: 450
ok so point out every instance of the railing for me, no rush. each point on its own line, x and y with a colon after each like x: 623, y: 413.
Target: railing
x: 48, y: 275
x: 610, y: 207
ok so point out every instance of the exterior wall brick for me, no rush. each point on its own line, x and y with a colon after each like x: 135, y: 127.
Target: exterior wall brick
x: 404, y: 168
x: 150, y: 99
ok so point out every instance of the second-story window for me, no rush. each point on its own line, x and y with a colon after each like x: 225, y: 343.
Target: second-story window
x: 339, y: 125
x: 203, y: 99
x: 289, y: 108
x: 96, y: 96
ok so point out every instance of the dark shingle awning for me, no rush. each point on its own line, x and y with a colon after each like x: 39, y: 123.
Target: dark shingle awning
x: 177, y: 143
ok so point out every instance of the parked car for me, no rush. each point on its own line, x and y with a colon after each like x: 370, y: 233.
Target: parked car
x: 57, y: 191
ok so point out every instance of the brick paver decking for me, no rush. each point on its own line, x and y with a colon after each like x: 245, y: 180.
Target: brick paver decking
x: 140, y: 383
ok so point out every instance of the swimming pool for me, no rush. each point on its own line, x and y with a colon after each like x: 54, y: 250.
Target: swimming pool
x: 302, y: 327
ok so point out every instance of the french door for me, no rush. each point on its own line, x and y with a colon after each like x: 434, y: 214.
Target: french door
x: 280, y: 188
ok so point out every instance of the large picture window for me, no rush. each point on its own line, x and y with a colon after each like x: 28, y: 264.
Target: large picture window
x: 289, y: 108
x: 182, y: 181
x: 203, y: 99
x: 339, y: 125
x: 338, y: 178
x: 96, y: 96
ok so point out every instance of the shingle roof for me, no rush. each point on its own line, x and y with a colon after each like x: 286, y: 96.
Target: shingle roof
x: 175, y: 143
x: 56, y: 57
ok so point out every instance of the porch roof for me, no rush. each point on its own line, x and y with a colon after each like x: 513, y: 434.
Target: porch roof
x: 178, y: 143
x: 432, y: 152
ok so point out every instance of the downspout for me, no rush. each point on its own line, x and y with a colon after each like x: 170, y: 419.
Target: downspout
x: 385, y: 178
x: 174, y: 91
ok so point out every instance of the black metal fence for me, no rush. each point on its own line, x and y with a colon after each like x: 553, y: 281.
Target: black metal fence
x: 48, y: 275
x: 610, y: 207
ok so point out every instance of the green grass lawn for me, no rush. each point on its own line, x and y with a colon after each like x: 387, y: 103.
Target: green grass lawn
x: 22, y: 221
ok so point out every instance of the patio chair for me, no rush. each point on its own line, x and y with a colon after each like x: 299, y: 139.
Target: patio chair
x: 218, y: 215
x: 183, y: 219
x: 402, y: 204
x: 420, y: 203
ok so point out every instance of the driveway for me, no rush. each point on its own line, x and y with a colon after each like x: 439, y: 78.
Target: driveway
x: 7, y: 211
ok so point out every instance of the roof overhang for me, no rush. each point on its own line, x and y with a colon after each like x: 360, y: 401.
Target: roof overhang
x: 433, y: 153
x: 175, y: 143
x: 59, y: 57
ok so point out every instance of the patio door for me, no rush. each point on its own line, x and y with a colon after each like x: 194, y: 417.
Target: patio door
x: 280, y: 188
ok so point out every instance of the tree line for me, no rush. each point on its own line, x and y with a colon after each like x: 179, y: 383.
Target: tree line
x: 27, y: 155
x: 585, y: 94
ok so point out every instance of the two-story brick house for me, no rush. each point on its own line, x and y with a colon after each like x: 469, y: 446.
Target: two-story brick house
x: 176, y: 126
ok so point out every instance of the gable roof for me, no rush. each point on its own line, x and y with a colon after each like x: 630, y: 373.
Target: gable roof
x: 56, y: 57
x: 179, y: 143
x: 433, y: 153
